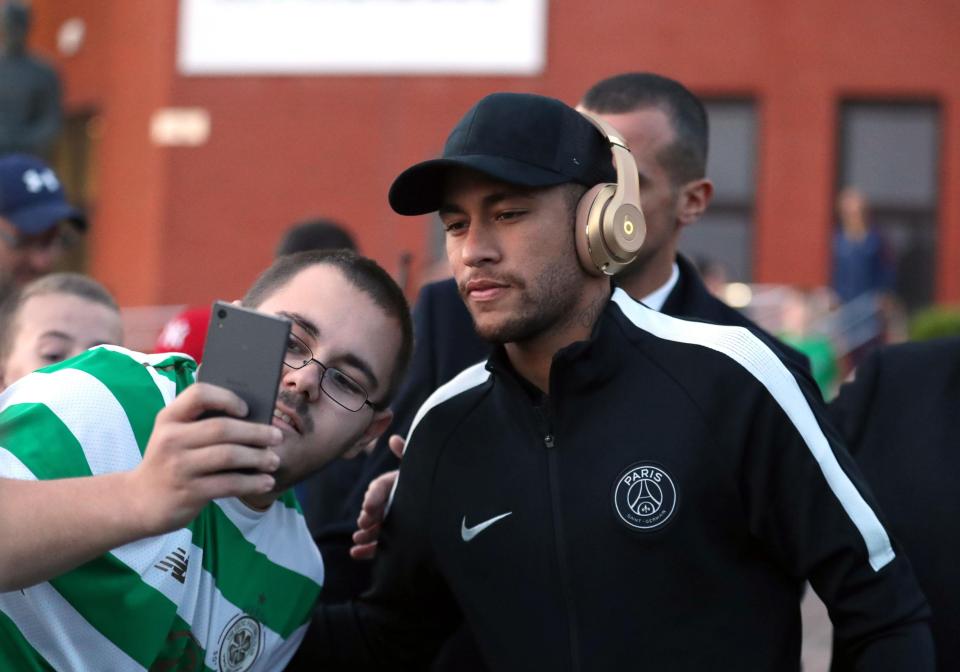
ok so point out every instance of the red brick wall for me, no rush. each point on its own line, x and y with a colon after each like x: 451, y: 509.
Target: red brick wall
x: 180, y: 225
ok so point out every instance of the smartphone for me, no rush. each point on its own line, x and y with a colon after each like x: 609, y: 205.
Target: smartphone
x: 244, y: 353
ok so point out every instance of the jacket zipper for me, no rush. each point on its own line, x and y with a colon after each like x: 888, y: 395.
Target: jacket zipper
x: 549, y: 441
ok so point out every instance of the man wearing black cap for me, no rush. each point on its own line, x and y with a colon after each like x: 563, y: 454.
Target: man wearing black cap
x: 666, y: 127
x: 33, y: 211
x: 615, y: 486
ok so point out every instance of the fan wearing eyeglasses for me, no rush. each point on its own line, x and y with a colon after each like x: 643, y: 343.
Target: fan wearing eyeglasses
x: 334, y: 393
x: 139, y: 534
x: 334, y: 383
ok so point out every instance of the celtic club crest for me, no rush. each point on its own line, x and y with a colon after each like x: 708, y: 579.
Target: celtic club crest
x: 240, y: 644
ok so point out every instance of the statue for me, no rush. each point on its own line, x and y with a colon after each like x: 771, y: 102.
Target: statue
x: 30, y: 106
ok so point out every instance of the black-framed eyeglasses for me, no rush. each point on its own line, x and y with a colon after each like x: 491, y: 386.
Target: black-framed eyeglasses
x: 334, y: 383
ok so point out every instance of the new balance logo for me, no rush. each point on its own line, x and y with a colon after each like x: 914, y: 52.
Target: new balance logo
x: 176, y: 564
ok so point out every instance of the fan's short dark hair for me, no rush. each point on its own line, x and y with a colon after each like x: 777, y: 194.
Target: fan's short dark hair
x: 686, y: 158
x: 316, y: 234
x: 364, y: 274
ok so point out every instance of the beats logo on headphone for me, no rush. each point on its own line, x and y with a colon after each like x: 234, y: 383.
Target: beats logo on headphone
x: 610, y: 227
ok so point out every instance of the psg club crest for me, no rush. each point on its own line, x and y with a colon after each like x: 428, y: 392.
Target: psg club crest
x: 644, y: 497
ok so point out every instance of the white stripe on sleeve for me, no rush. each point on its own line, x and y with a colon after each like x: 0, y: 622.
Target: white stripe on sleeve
x: 760, y: 361
x: 469, y: 378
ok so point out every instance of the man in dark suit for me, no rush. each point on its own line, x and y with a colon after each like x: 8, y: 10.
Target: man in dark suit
x: 900, y: 418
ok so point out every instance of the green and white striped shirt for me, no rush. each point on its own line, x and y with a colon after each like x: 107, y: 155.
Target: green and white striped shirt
x: 231, y: 591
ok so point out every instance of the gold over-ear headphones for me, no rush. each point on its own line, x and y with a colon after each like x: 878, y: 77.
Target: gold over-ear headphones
x: 610, y: 227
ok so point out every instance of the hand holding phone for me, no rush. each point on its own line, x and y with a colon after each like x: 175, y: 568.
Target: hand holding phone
x: 244, y: 353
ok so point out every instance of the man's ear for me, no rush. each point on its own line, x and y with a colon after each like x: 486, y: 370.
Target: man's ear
x: 378, y: 425
x: 694, y: 198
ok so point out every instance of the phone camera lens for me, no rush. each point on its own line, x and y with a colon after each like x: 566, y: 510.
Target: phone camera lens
x: 222, y: 314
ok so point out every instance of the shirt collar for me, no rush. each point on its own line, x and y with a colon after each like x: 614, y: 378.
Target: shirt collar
x: 658, y: 297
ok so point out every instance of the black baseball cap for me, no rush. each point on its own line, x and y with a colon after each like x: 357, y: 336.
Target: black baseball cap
x: 518, y: 138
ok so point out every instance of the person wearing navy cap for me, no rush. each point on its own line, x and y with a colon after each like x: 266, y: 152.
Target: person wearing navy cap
x: 33, y: 211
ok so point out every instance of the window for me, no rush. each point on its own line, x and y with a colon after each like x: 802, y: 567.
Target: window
x: 724, y: 234
x: 890, y: 152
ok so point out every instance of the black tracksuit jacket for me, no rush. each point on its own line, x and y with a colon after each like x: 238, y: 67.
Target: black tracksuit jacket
x: 665, y: 503
x: 445, y: 344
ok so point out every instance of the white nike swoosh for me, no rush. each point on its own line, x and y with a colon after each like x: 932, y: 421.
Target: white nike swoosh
x: 468, y: 533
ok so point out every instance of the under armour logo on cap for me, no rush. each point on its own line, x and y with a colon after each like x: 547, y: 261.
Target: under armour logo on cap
x: 36, y: 180
x: 31, y: 196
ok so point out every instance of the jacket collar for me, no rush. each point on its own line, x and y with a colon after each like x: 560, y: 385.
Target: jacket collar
x: 589, y: 362
x: 689, y: 296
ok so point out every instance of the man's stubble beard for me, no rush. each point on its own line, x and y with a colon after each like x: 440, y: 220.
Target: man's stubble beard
x: 545, y: 303
x: 548, y: 301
